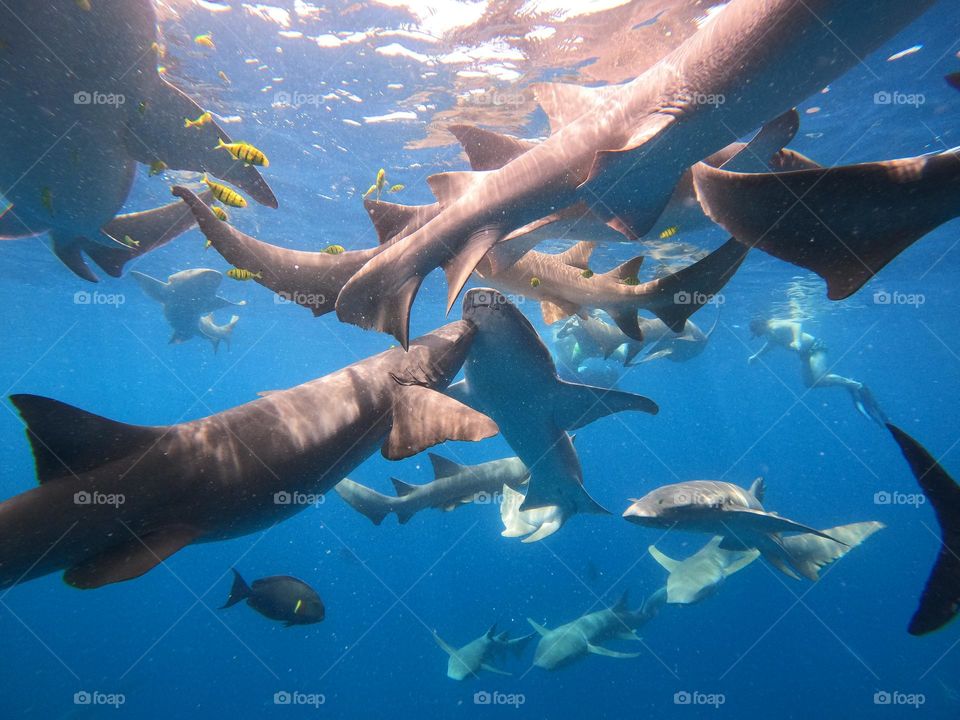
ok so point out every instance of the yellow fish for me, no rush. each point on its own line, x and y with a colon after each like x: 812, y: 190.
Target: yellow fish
x: 207, y: 244
x: 631, y: 281
x: 534, y: 282
x: 205, y: 40
x: 142, y: 107
x: 241, y: 274
x: 221, y: 215
x: 204, y: 119
x: 84, y: 5
x: 378, y: 185
x: 669, y: 232
x: 46, y: 199
x: 157, y: 167
x: 396, y: 188
x: 225, y: 194
x: 588, y: 273
x: 245, y: 152
x: 130, y: 242
x: 333, y: 249
x: 223, y: 76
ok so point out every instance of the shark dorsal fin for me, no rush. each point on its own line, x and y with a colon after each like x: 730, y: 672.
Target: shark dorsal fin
x: 626, y: 271
x: 69, y: 441
x: 449, y: 187
x: 564, y: 103
x: 488, y: 150
x: 391, y: 220
x: 667, y: 563
x: 758, y: 489
x: 442, y: 467
x: 541, y: 630
x: 491, y: 631
x: 578, y: 256
x: 446, y: 647
x: 402, y: 488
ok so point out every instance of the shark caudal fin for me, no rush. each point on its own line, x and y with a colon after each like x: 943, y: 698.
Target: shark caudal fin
x: 941, y: 595
x: 488, y: 150
x: 158, y: 134
x: 238, y: 592
x: 366, y: 501
x: 809, y: 553
x: 853, y: 219
x: 679, y: 295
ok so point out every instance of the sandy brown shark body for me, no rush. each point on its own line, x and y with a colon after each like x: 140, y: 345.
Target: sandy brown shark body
x: 843, y: 223
x: 77, y: 119
x: 115, y: 500
x: 310, y: 279
x: 453, y: 486
x: 621, y: 150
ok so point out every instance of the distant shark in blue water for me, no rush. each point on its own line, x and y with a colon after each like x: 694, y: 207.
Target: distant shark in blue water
x: 479, y: 654
x: 82, y: 103
x: 940, y: 601
x: 187, y: 296
x: 621, y: 150
x: 510, y: 376
x: 116, y: 500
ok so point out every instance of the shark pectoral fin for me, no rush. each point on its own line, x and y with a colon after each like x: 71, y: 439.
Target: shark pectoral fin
x: 159, y: 134
x: 459, y: 267
x: 541, y: 630
x: 447, y: 648
x: 667, y: 563
x: 222, y: 302
x: 491, y: 668
x: 423, y: 418
x: 629, y: 635
x: 809, y: 553
x: 68, y: 441
x: 153, y: 288
x: 768, y: 523
x: 488, y: 150
x: 577, y: 405
x: 598, y: 650
x: 689, y: 289
x: 130, y: 559
x: 758, y: 488
x: 68, y: 251
x: 743, y: 560
x: 756, y: 155
x: 651, y: 356
x: 545, y: 530
x: 393, y: 220
x: 554, y: 310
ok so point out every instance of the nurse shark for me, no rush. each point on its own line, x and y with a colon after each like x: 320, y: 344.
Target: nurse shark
x: 478, y: 654
x: 115, y: 500
x: 82, y: 105
x: 621, y: 150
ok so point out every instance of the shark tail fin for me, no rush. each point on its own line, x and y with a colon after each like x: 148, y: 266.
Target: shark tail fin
x: 652, y: 605
x: 518, y: 644
x: 939, y: 601
x: 369, y: 503
x: 239, y: 591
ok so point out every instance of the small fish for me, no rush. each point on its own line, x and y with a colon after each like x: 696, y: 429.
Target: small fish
x: 241, y: 274
x: 333, y: 249
x: 280, y: 597
x: 396, y: 188
x: 223, y: 76
x: 205, y: 40
x: 207, y: 244
x: 534, y: 282
x: 157, y: 48
x: 157, y: 167
x: 130, y: 242
x: 669, y: 232
x: 634, y: 280
x: 46, y: 199
x: 378, y: 185
x: 225, y: 194
x: 84, y: 5
x: 204, y: 119
x: 245, y: 152
x: 221, y: 215
x: 953, y: 80
x: 588, y: 273
x: 142, y: 107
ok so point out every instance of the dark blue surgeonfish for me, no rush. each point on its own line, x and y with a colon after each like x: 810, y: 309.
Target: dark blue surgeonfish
x: 279, y: 597
x: 940, y: 600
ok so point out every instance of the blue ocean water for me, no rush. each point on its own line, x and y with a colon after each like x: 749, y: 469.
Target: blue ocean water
x: 763, y: 646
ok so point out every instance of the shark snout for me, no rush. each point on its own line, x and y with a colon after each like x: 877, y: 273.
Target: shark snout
x: 639, y: 512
